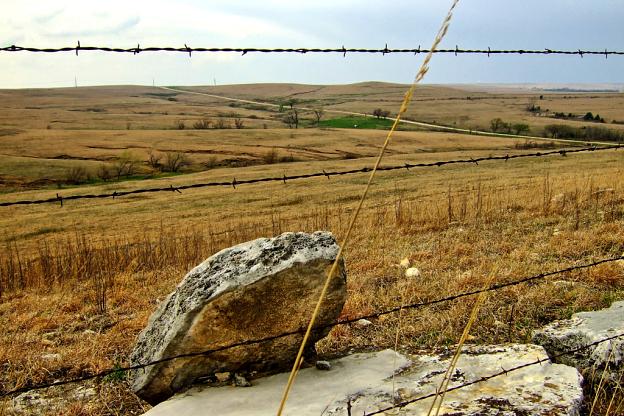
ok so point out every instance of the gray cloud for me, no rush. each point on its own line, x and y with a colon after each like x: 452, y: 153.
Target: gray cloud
x: 531, y: 24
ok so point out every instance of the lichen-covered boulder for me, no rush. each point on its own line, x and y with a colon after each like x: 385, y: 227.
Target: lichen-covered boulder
x: 585, y: 328
x: 254, y: 290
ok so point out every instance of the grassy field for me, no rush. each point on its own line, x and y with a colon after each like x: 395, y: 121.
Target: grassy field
x: 357, y: 123
x: 79, y: 282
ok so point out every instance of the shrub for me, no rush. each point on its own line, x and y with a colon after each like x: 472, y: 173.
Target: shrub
x: 270, y: 157
x: 104, y: 172
x: 379, y: 113
x: 211, y: 163
x: 153, y: 159
x: 77, y: 175
x: 174, y: 161
x: 202, y: 124
x: 126, y: 165
x: 221, y: 124
x: 520, y: 128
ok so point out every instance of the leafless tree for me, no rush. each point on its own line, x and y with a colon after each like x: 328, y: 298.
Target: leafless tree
x: 202, y: 124
x: 221, y: 124
x: 174, y: 161
x: 292, y: 119
x: 126, y: 165
x: 153, y: 159
x: 318, y: 113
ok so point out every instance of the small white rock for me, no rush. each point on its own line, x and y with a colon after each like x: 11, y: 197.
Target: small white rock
x: 412, y: 272
x: 51, y: 357
x: 363, y: 323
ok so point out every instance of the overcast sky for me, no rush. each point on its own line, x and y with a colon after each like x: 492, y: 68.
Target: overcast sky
x: 528, y: 24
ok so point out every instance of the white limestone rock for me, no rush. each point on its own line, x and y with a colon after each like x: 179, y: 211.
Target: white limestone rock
x: 365, y: 383
x: 254, y: 290
x: 583, y: 329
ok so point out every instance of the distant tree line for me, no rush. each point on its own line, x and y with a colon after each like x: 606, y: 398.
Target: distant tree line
x: 564, y: 131
x: 497, y: 125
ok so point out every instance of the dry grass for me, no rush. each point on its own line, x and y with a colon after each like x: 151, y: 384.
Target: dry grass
x: 81, y: 281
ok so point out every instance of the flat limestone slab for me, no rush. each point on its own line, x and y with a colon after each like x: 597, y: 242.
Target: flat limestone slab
x: 313, y: 392
x: 365, y: 380
x: 583, y: 329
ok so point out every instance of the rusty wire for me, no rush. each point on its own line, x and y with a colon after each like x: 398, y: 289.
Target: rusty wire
x: 284, y: 178
x: 342, y: 50
x: 416, y: 305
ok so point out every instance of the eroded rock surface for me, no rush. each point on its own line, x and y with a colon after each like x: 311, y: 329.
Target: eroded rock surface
x: 250, y: 291
x: 365, y: 383
x: 583, y: 329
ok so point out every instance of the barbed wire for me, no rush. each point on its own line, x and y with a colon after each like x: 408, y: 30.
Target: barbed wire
x: 328, y: 174
x: 342, y: 50
x: 415, y: 305
x: 503, y: 372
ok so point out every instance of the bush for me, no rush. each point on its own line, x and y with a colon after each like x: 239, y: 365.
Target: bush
x: 174, y: 161
x: 379, y: 113
x: 270, y: 157
x: 211, y: 163
x: 104, y: 172
x: 498, y: 125
x: 180, y: 125
x: 153, y: 159
x: 520, y: 128
x: 77, y: 175
x: 202, y: 124
x: 221, y: 124
x: 126, y: 165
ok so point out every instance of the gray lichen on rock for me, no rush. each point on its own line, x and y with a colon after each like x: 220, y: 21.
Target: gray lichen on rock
x: 250, y: 291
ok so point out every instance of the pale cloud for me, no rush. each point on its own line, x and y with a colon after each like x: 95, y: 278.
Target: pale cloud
x: 320, y: 23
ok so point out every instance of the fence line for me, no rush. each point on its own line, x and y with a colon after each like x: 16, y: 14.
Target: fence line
x: 416, y: 305
x: 328, y: 174
x: 342, y: 50
x: 503, y: 372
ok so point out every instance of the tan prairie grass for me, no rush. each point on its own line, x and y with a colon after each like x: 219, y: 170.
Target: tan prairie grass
x: 80, y: 281
x: 453, y: 236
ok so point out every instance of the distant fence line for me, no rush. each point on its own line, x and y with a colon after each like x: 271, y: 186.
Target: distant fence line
x: 328, y: 174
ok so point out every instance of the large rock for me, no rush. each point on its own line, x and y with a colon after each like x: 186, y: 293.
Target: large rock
x: 365, y: 383
x: 250, y: 291
x: 583, y: 329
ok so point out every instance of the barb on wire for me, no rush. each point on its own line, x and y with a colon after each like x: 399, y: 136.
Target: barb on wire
x: 342, y: 50
x: 415, y: 305
x: 503, y: 372
x: 322, y: 173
